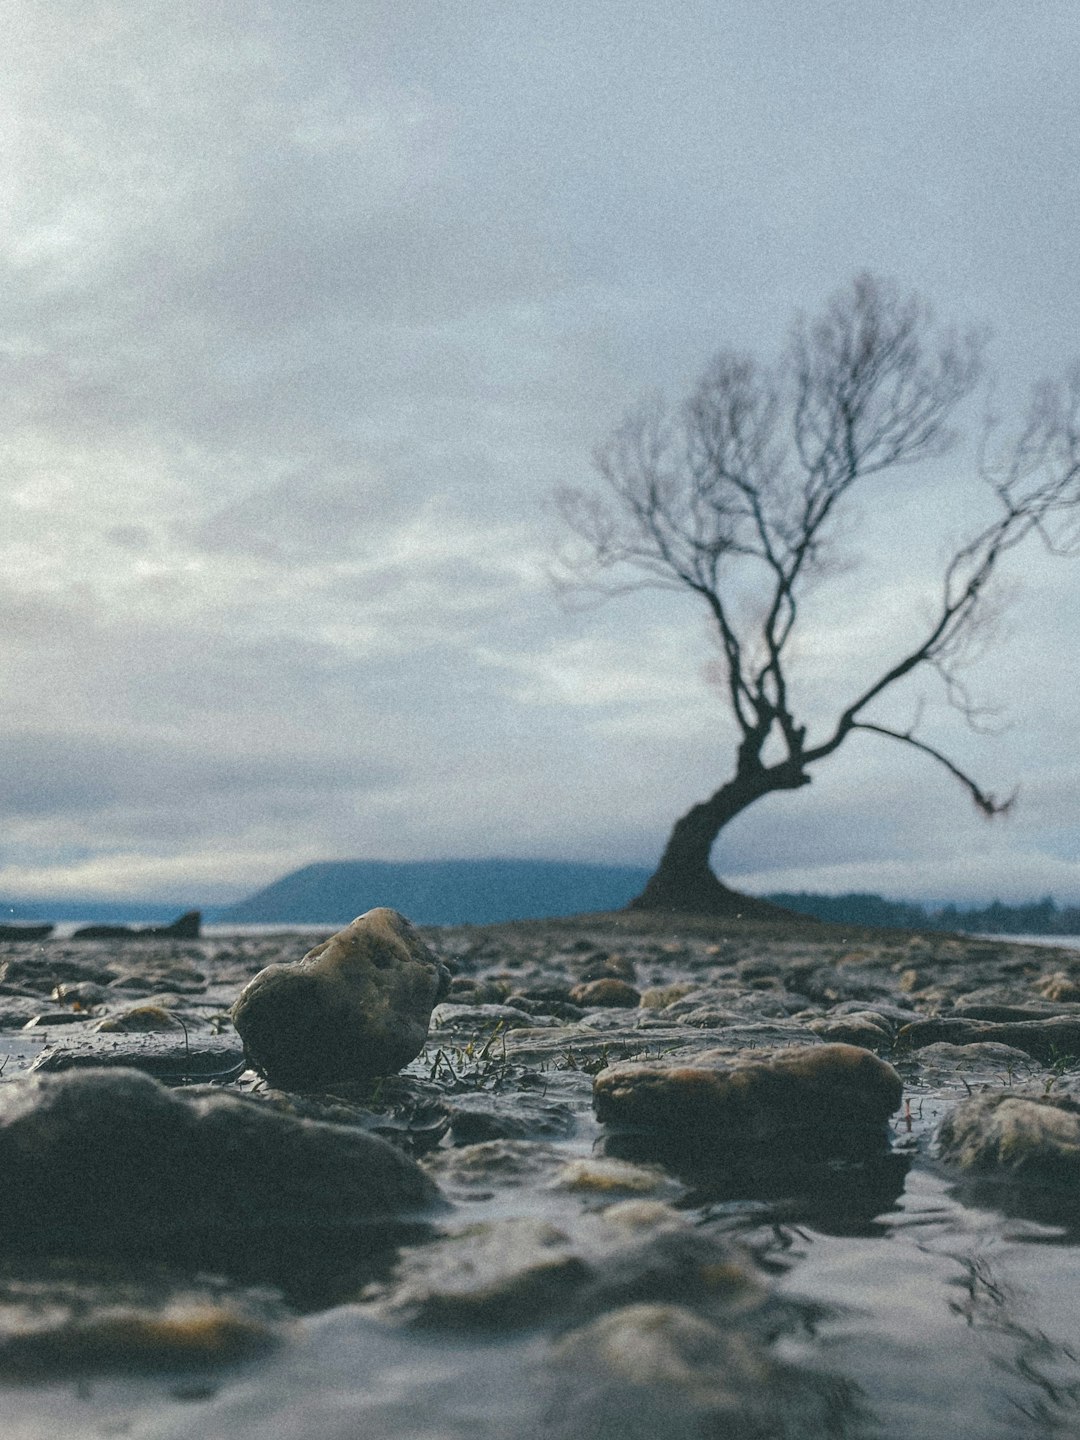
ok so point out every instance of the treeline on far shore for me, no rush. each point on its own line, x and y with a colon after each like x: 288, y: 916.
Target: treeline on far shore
x: 1036, y: 917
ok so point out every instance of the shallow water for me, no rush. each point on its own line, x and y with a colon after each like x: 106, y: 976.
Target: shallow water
x: 913, y: 1304
x: 942, y: 1318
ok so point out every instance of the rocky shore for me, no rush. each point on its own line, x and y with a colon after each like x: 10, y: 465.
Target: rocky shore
x: 564, y: 1181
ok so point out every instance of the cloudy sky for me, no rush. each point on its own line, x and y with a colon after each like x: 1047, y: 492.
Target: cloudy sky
x: 306, y: 310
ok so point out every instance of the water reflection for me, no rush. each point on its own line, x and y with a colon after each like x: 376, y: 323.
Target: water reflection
x: 838, y: 1196
x: 1047, y: 1370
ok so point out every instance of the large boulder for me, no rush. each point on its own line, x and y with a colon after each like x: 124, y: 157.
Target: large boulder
x: 112, y: 1163
x: 356, y: 1006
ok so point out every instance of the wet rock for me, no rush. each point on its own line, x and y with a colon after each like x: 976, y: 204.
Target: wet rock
x: 606, y: 991
x: 1058, y: 986
x: 398, y: 1109
x: 983, y: 1064
x: 1002, y: 1013
x: 609, y: 967
x: 184, y: 927
x: 668, y: 1345
x: 510, y: 1272
x: 40, y: 974
x: 475, y: 1171
x: 46, y: 1019
x: 518, y: 1272
x: 603, y: 1179
x: 191, y: 1335
x: 111, y: 1163
x: 16, y: 1011
x: 357, y: 1005
x: 172, y: 1057
x: 140, y: 1019
x: 864, y: 1029
x: 822, y: 1099
x: 515, y: 1116
x: 1028, y: 1135
x: 1048, y: 1040
x: 659, y: 997
x: 547, y: 1003
x: 660, y: 1369
x: 483, y: 1018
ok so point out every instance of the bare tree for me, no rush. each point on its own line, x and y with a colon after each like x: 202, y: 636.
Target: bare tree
x: 739, y: 495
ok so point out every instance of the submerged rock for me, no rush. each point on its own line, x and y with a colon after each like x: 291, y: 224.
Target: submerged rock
x: 111, y: 1163
x: 355, y: 1006
x: 71, y: 1317
x: 818, y: 1098
x: 519, y: 1272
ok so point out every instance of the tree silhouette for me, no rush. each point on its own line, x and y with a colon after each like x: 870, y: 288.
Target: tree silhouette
x: 736, y: 496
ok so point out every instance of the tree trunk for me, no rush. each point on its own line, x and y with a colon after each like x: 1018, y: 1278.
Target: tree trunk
x: 684, y: 880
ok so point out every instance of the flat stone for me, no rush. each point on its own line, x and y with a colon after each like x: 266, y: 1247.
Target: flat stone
x: 1050, y: 1039
x: 865, y: 1030
x: 823, y: 1095
x: 355, y: 1006
x: 139, y: 1020
x: 169, y: 1056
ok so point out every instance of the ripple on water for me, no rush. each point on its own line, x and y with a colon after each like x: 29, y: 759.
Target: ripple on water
x: 951, y: 1323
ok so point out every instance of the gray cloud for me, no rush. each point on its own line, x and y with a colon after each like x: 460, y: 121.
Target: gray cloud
x: 304, y: 313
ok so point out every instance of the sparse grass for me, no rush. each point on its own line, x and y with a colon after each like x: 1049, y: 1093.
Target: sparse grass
x: 1060, y: 1064
x: 474, y: 1066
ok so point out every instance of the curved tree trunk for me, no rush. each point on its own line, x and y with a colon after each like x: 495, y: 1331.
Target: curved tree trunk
x: 684, y: 880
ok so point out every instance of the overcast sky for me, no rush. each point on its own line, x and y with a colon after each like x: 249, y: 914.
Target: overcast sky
x: 306, y: 310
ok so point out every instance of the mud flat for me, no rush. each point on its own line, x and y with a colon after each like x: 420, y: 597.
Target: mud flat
x: 647, y: 1177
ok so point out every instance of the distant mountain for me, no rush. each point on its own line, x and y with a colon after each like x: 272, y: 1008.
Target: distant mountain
x: 438, y: 892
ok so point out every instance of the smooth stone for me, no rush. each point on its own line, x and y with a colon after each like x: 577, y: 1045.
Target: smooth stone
x: 516, y: 1272
x: 662, y: 1369
x: 356, y: 1006
x: 508, y: 1272
x: 820, y: 1095
x: 111, y: 1163
x: 668, y: 1345
x: 485, y: 1019
x: 1027, y: 1135
x: 865, y: 1030
x: 608, y: 990
x: 485, y: 1116
x: 476, y: 1171
x: 140, y: 1019
x: 602, y: 1179
x: 194, y: 1335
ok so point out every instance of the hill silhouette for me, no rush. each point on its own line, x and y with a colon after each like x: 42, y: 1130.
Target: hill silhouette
x: 439, y: 892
